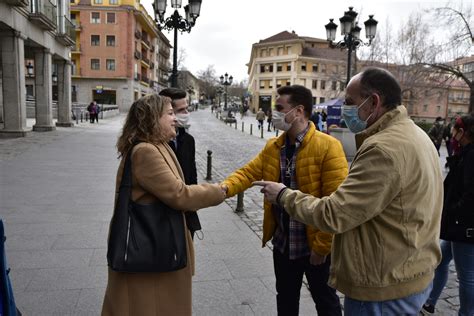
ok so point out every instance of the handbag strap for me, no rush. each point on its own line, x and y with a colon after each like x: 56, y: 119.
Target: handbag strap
x: 126, y: 181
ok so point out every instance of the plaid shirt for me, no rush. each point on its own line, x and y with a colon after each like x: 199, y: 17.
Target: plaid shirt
x: 295, y: 238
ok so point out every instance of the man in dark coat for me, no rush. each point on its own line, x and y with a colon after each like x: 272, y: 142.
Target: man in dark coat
x: 184, y: 147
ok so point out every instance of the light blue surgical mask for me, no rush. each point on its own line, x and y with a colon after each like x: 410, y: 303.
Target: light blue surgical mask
x: 350, y: 113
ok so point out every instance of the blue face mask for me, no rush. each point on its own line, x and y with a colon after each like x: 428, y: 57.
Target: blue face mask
x: 350, y: 113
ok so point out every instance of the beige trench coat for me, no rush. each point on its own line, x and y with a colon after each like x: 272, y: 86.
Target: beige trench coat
x: 157, y: 174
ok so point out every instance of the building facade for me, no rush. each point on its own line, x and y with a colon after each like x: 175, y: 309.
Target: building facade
x: 189, y: 83
x: 118, y: 52
x: 35, y: 40
x: 287, y: 59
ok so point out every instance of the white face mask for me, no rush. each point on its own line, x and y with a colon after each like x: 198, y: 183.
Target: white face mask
x: 182, y: 120
x: 278, y: 120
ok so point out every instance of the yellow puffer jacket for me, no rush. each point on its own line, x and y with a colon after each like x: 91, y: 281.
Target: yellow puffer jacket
x: 321, y: 167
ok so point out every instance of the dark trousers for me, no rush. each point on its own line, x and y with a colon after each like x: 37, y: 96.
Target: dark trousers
x: 289, y: 278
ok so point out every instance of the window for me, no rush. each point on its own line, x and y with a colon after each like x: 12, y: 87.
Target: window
x: 323, y: 85
x: 95, y: 40
x: 270, y: 84
x: 262, y: 84
x: 279, y: 67
x: 95, y: 64
x: 303, y: 82
x: 288, y: 67
x: 110, y: 40
x: 113, y: 2
x: 279, y: 83
x: 314, y: 100
x: 263, y: 52
x: 322, y: 100
x: 438, y: 108
x: 334, y: 85
x: 97, y: 1
x: 110, y: 18
x: 262, y: 68
x: 315, y: 84
x: 303, y: 66
x: 315, y: 67
x: 288, y: 50
x: 95, y: 17
x: 341, y: 85
x: 280, y: 51
x: 425, y: 107
x: 323, y: 68
x: 270, y: 52
x: 288, y: 82
x: 110, y: 64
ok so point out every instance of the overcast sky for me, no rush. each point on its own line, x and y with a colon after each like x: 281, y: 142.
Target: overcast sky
x: 226, y: 29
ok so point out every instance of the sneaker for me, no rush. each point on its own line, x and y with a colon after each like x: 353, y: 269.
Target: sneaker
x: 428, y: 309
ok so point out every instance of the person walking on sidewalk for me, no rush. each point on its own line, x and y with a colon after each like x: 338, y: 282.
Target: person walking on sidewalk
x: 305, y: 159
x: 436, y: 133
x: 93, y: 112
x: 184, y: 147
x: 269, y: 120
x: 457, y: 223
x: 386, y: 215
x: 156, y: 175
x: 260, y: 117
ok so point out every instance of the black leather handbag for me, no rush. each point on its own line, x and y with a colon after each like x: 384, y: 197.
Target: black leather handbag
x: 144, y: 238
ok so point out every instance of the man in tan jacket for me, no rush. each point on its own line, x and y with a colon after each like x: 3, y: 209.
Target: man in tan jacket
x: 386, y: 214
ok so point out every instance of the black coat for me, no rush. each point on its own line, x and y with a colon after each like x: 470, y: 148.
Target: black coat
x: 457, y: 222
x: 185, y: 153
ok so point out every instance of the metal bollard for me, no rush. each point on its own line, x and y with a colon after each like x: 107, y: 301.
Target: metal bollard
x: 235, y: 124
x: 242, y: 127
x: 240, y: 202
x: 251, y: 128
x: 82, y: 114
x: 209, y: 165
x: 261, y: 132
x: 276, y: 133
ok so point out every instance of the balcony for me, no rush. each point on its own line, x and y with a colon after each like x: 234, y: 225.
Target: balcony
x: 137, y: 54
x: 66, y: 32
x: 18, y: 3
x: 77, y: 25
x: 76, y: 72
x: 137, y: 77
x: 43, y: 14
x: 76, y: 49
x: 145, y: 61
x: 145, y: 41
x: 152, y: 48
x: 165, y: 52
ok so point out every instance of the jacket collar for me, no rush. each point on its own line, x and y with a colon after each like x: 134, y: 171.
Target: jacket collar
x: 280, y: 141
x: 386, y: 120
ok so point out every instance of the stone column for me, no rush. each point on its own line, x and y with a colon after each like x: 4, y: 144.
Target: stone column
x: 64, y: 94
x: 13, y: 84
x: 44, y: 91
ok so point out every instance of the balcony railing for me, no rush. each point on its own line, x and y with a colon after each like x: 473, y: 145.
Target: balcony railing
x: 145, y: 79
x: 137, y: 54
x: 66, y: 31
x: 76, y: 72
x: 76, y: 48
x: 145, y: 60
x: 43, y: 13
x: 145, y: 40
x: 77, y: 25
x: 138, y: 34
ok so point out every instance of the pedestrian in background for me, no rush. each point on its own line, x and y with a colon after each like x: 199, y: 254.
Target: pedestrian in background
x: 436, y: 132
x: 457, y: 223
x: 269, y: 120
x: 260, y: 117
x: 316, y: 119
x: 93, y: 112
x: 156, y: 175
x: 386, y: 214
x: 184, y: 147
x: 301, y: 158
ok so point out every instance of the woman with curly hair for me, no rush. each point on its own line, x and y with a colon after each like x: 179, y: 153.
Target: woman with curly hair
x: 156, y: 175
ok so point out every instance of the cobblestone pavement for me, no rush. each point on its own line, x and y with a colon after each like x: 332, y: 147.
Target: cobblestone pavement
x: 231, y: 149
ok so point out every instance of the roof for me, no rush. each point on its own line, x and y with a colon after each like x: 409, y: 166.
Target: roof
x: 325, y: 53
x: 282, y: 36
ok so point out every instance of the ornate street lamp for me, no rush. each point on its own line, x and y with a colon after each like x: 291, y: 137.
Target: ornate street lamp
x: 226, y: 81
x: 351, y: 32
x: 177, y: 23
x: 29, y: 70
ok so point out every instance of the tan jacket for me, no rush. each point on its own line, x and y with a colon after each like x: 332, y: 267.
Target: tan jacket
x: 385, y: 215
x: 156, y: 174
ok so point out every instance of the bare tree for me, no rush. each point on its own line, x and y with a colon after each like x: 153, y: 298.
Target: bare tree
x: 181, y: 58
x: 209, y: 81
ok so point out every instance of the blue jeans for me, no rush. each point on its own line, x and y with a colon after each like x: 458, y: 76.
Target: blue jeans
x: 409, y: 305
x: 463, y: 254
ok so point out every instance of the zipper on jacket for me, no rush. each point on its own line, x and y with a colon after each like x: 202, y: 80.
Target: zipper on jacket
x: 127, y: 241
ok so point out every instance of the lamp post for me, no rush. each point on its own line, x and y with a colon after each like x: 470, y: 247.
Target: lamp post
x: 29, y: 70
x: 226, y: 81
x: 351, y: 32
x: 177, y: 23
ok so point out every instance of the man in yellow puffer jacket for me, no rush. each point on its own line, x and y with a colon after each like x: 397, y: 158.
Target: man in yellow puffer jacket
x: 313, y: 162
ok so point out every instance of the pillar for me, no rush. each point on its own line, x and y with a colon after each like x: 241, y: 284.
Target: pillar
x: 13, y: 84
x: 44, y: 91
x: 64, y: 94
